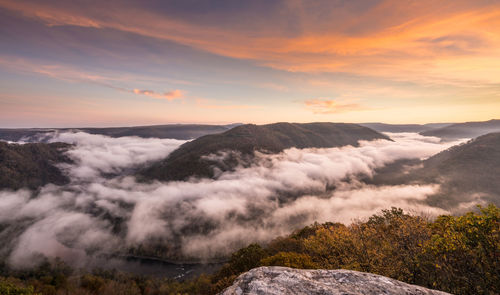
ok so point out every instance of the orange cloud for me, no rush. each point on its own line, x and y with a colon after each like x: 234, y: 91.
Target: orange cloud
x: 171, y: 95
x: 57, y: 71
x: 449, y: 41
x: 330, y: 106
x: 70, y: 74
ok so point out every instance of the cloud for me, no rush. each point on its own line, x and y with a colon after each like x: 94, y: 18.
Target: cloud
x: 57, y: 71
x: 425, y: 41
x: 103, y: 211
x: 171, y: 95
x: 330, y: 106
x: 98, y: 154
x: 71, y: 74
x: 346, y: 205
x: 174, y: 94
x: 68, y: 235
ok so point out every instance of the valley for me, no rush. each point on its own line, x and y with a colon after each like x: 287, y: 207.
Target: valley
x: 175, y: 208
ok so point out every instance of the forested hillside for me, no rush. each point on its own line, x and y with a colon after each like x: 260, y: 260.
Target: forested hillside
x: 31, y: 165
x: 469, y: 172
x: 243, y: 140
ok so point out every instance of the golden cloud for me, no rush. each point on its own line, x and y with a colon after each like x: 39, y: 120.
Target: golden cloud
x: 170, y: 95
x: 71, y: 74
x: 330, y: 106
x: 450, y: 41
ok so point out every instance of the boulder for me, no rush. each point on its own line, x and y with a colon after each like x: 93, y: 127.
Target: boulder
x: 283, y: 280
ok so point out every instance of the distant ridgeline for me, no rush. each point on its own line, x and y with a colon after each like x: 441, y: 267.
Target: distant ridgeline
x: 464, y: 130
x: 31, y: 165
x: 382, y: 127
x: 224, y: 151
x: 192, y: 131
x: 175, y: 131
x: 446, y: 131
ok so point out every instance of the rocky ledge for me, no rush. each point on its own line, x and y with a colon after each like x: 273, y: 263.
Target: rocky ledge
x: 283, y: 280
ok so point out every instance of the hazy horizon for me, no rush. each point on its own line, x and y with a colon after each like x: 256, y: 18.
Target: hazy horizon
x: 222, y: 123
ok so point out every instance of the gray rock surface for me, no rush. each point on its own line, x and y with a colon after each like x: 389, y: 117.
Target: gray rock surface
x: 284, y: 280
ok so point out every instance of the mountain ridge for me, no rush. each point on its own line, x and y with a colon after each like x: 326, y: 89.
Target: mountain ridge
x: 466, y: 172
x: 31, y: 165
x: 188, y: 161
x: 174, y: 131
x: 384, y: 127
x: 465, y: 130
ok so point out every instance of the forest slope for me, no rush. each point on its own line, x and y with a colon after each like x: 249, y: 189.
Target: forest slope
x: 192, y: 158
x: 31, y: 165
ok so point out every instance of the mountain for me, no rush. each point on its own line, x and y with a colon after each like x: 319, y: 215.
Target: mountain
x: 175, y: 131
x: 464, y: 130
x: 382, y: 127
x: 466, y: 172
x: 22, y: 133
x: 31, y: 165
x: 470, y: 169
x: 192, y: 158
x: 284, y: 280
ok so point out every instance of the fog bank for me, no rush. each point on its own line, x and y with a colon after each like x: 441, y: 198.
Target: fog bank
x: 104, y: 210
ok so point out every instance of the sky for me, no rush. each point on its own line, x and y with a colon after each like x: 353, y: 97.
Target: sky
x: 124, y: 63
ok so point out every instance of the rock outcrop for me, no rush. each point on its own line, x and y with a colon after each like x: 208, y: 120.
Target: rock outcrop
x: 283, y: 280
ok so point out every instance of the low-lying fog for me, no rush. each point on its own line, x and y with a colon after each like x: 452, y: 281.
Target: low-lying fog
x: 105, y: 211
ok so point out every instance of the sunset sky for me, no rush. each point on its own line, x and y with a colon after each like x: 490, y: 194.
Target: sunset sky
x: 122, y: 63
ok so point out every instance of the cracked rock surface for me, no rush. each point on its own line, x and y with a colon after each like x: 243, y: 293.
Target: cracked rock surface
x: 283, y: 280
